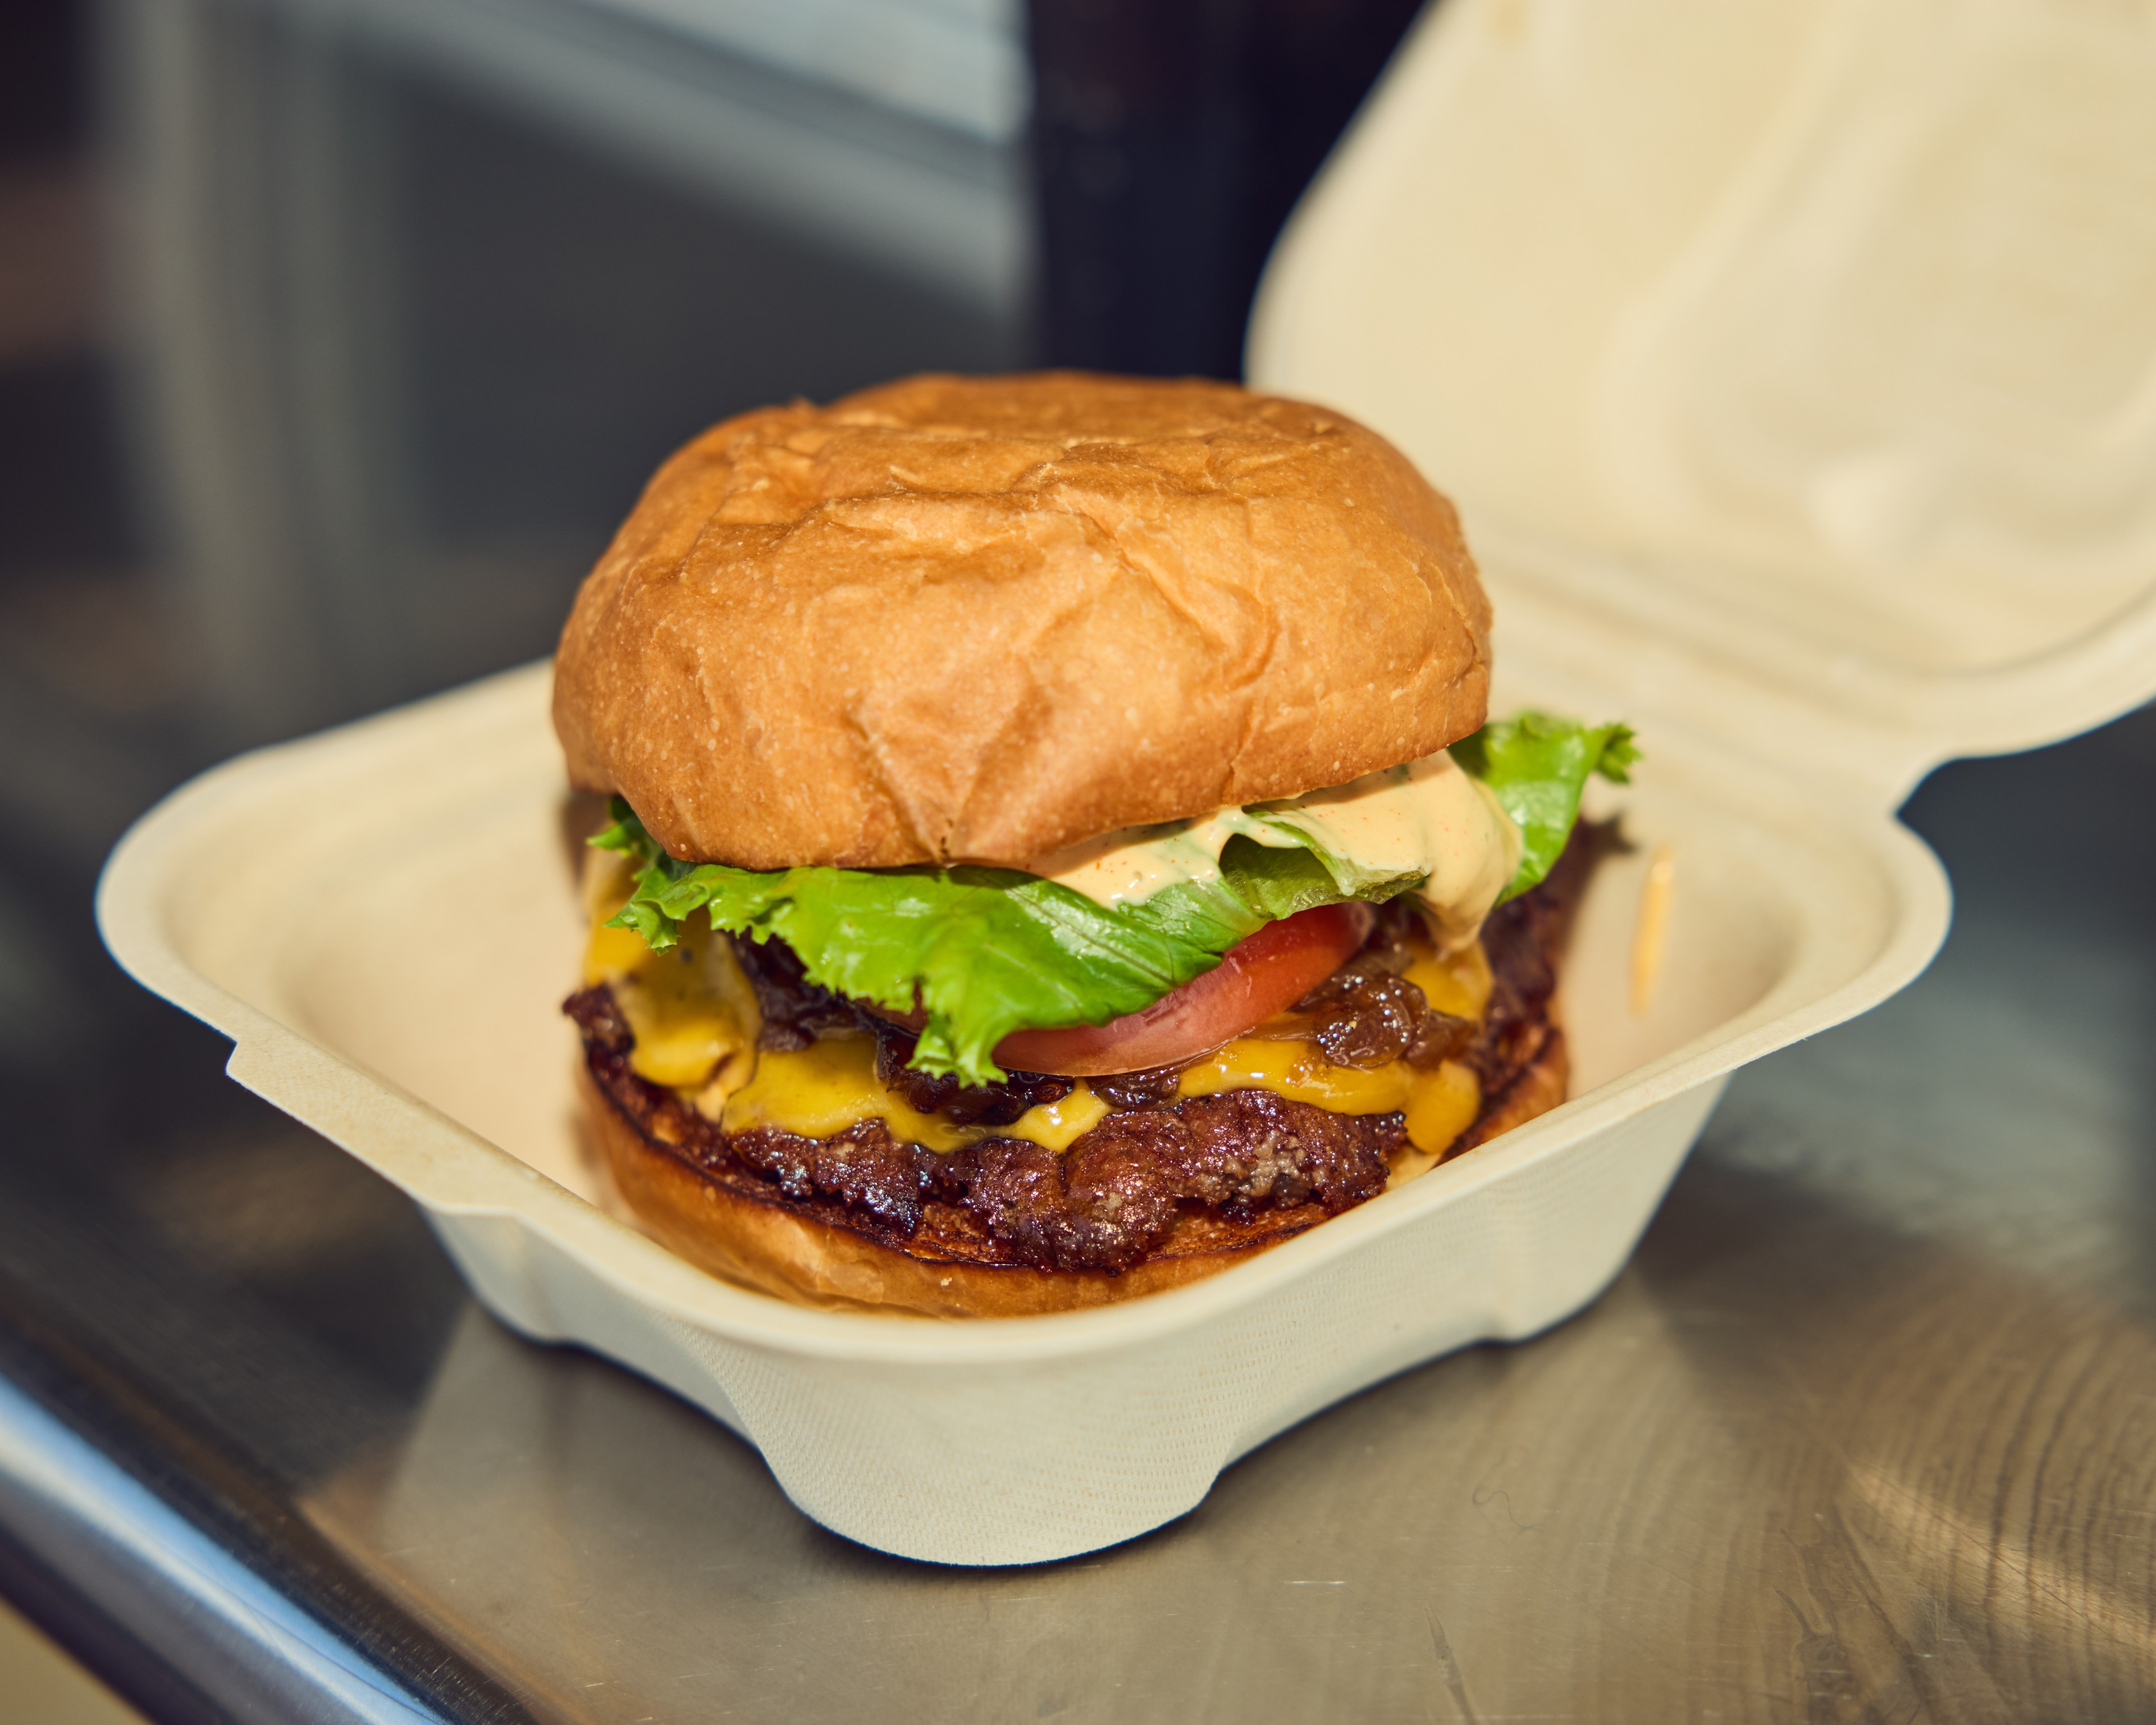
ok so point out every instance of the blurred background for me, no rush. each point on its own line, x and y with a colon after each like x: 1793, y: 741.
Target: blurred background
x: 336, y: 335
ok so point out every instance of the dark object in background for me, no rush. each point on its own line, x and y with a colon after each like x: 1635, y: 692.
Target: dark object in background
x: 63, y: 504
x: 1171, y: 139
x: 44, y: 101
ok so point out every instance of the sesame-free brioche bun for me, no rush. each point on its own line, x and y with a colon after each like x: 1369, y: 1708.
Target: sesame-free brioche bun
x: 980, y: 619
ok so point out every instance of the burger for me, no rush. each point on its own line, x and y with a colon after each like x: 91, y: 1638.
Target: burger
x: 1058, y: 846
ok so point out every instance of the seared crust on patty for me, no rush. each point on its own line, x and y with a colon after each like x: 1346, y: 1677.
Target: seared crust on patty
x: 1106, y: 1205
x: 743, y: 1231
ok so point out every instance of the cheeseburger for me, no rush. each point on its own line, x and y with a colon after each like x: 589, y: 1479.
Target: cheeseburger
x: 1059, y: 847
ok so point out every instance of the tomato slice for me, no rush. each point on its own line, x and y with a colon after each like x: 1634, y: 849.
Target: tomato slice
x: 1259, y: 976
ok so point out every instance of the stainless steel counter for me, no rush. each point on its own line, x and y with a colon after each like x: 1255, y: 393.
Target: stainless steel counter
x: 1866, y: 1431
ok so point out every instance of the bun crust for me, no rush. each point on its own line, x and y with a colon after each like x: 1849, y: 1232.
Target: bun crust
x: 767, y: 1242
x: 977, y: 619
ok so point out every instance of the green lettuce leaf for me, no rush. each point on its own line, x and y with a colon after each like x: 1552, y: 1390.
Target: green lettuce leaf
x: 982, y: 952
x: 1278, y: 881
x: 986, y: 951
x: 1537, y: 765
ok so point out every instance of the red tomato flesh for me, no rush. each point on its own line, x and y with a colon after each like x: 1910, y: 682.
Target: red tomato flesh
x: 1257, y: 976
x: 1261, y: 975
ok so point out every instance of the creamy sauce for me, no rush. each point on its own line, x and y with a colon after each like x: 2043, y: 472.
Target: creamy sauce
x: 1651, y: 932
x: 1132, y: 864
x: 1428, y: 818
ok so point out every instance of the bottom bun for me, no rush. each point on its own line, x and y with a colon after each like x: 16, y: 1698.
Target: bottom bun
x: 770, y: 1243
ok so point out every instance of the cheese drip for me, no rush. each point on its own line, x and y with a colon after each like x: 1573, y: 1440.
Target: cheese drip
x: 1428, y: 818
x: 693, y: 1012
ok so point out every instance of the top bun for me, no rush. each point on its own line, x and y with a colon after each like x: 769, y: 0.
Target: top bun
x: 979, y: 618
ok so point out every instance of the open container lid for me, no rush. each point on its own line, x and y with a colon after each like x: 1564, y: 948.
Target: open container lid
x: 1794, y: 364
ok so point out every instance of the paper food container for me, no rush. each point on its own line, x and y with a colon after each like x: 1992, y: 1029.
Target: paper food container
x: 1795, y: 367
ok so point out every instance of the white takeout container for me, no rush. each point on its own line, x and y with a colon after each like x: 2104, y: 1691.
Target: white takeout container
x: 1780, y: 358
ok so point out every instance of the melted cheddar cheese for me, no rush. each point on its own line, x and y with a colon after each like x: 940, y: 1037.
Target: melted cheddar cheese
x: 1439, y: 1104
x: 693, y: 1011
x: 825, y: 1088
x: 695, y: 1021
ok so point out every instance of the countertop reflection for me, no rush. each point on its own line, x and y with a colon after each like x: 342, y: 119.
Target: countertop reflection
x: 1862, y: 1433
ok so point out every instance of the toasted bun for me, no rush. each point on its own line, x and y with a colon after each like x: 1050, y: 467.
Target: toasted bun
x: 751, y: 1233
x: 980, y: 619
